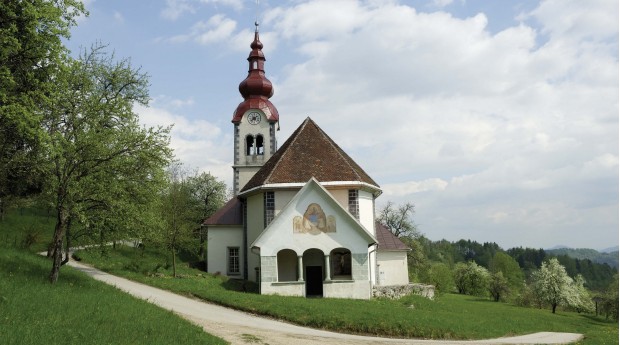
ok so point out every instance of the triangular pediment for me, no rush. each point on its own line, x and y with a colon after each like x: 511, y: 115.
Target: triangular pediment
x: 313, y: 219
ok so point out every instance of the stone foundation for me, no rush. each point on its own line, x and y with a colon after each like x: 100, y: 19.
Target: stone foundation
x: 398, y: 291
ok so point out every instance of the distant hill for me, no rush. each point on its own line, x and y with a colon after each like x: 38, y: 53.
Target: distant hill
x: 609, y: 250
x: 610, y: 258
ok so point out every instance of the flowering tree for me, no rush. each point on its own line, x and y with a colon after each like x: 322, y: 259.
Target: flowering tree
x: 553, y: 285
x: 471, y: 279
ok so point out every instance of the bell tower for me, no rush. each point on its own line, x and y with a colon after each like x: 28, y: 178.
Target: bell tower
x: 255, y: 120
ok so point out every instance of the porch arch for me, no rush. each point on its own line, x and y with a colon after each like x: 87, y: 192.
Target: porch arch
x: 287, y: 265
x: 340, y: 259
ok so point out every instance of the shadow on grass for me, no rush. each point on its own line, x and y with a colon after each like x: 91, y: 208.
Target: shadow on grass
x: 239, y: 285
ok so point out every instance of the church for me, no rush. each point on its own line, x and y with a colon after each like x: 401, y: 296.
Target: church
x: 302, y: 219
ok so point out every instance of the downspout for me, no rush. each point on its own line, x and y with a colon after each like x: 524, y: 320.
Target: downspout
x: 374, y: 279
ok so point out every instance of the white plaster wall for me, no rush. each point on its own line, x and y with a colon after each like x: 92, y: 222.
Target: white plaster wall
x: 218, y: 241
x: 367, y: 210
x: 245, y: 174
x: 359, y: 289
x: 345, y: 236
x: 392, y: 268
x: 282, y: 198
x: 283, y: 289
x: 255, y: 224
x: 342, y: 196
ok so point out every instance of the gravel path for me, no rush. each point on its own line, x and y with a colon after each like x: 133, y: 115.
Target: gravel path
x: 243, y: 328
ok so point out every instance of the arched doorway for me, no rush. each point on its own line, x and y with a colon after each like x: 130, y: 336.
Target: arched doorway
x: 314, y: 272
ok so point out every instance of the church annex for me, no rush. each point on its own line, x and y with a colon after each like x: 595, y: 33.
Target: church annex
x: 302, y: 221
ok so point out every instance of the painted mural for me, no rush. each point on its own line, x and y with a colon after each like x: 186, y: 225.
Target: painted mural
x: 314, y: 221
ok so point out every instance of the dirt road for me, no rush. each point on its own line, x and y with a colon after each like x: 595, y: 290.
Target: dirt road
x: 243, y: 328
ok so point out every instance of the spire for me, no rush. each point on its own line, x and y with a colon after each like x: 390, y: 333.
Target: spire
x: 256, y: 89
x: 256, y: 84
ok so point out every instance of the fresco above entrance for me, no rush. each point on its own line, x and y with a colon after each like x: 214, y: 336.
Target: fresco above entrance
x: 314, y: 221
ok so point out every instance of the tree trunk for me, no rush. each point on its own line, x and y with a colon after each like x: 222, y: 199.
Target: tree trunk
x: 553, y: 306
x: 174, y: 263
x: 68, y: 241
x: 59, y: 232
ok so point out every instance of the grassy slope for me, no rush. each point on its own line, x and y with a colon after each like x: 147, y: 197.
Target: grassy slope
x: 449, y: 317
x: 27, y: 222
x: 79, y: 310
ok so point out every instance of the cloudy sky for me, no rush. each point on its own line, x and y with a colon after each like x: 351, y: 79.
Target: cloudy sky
x: 497, y: 119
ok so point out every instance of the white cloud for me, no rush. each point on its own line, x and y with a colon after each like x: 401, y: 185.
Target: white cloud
x: 118, y: 17
x: 492, y: 132
x: 197, y: 143
x: 175, y: 8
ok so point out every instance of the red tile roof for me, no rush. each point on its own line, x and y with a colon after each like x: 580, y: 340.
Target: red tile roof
x: 387, y: 240
x: 229, y: 214
x: 309, y: 152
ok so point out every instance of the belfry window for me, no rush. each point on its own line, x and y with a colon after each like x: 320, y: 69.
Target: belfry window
x: 255, y: 65
x: 249, y: 145
x: 260, y: 147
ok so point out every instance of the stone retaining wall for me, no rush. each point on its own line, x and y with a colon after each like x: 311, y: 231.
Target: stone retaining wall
x: 398, y: 291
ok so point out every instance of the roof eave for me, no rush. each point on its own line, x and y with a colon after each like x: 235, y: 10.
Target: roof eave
x: 375, y: 190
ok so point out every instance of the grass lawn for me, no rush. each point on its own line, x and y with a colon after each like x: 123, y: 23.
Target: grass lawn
x: 29, y: 228
x: 79, y: 310
x: 448, y: 317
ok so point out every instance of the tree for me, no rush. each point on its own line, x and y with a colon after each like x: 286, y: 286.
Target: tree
x: 99, y: 155
x: 504, y: 263
x: 180, y: 211
x: 498, y: 286
x: 610, y: 299
x: 31, y: 52
x: 441, y: 277
x: 471, y: 279
x: 552, y: 284
x: 580, y: 298
x: 399, y: 220
x: 210, y: 194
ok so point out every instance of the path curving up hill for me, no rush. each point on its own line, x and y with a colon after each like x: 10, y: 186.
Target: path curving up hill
x: 243, y: 328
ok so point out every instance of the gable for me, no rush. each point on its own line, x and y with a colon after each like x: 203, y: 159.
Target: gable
x: 313, y: 219
x: 304, y: 155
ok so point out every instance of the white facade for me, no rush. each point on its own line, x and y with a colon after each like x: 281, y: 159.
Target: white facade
x: 311, y: 233
x: 218, y: 255
x: 392, y: 268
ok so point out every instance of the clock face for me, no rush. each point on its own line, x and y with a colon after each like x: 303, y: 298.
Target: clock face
x: 254, y: 118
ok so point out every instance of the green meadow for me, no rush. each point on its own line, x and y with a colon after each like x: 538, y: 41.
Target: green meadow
x: 449, y: 316
x: 79, y: 310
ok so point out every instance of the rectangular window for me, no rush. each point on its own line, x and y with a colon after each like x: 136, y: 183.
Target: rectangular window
x: 233, y: 260
x: 270, y: 207
x: 354, y: 207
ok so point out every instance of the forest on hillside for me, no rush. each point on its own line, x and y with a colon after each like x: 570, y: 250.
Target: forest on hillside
x: 597, y: 275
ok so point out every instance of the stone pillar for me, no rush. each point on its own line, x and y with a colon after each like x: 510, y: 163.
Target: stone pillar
x: 300, y: 269
x: 327, y: 268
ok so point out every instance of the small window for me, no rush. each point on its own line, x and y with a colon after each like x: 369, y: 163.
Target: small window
x: 270, y: 207
x: 233, y: 260
x: 249, y: 144
x: 260, y: 149
x: 255, y: 65
x: 354, y: 207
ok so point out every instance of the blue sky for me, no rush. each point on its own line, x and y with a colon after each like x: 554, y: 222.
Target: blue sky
x: 497, y: 119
